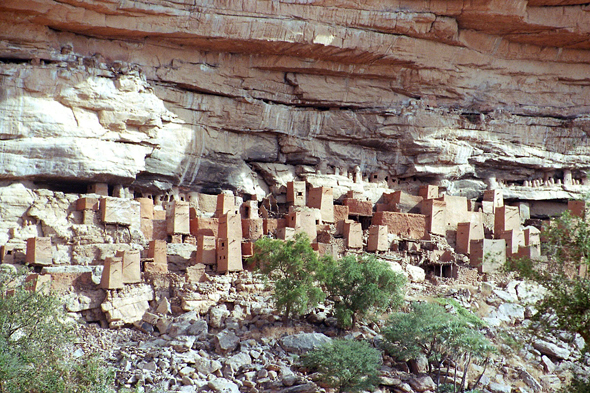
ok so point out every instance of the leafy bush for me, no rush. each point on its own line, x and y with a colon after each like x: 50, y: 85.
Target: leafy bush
x: 444, y: 337
x: 34, y: 341
x: 296, y: 271
x: 578, y: 384
x: 347, y: 365
x: 364, y: 285
x: 565, y: 276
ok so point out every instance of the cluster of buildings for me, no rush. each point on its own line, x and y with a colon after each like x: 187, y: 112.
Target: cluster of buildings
x: 486, y: 232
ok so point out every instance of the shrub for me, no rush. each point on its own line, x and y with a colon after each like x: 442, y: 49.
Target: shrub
x: 363, y: 285
x: 565, y: 276
x: 346, y: 365
x: 444, y: 337
x: 579, y: 384
x: 34, y: 341
x: 296, y: 271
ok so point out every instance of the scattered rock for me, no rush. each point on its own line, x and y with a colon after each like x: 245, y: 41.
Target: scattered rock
x: 226, y: 341
x: 222, y: 385
x: 422, y: 383
x: 550, y: 349
x: 415, y: 273
x: 303, y: 342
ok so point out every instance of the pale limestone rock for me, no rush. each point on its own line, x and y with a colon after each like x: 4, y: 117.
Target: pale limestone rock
x: 415, y: 273
x: 403, y: 93
x: 127, y: 305
x: 550, y: 349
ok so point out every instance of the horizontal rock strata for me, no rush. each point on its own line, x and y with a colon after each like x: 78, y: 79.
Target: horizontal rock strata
x: 199, y: 95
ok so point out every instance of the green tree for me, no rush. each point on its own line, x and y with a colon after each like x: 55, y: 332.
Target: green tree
x: 347, y: 365
x: 295, y: 270
x: 34, y: 340
x: 363, y: 285
x: 564, y: 275
x: 445, y: 338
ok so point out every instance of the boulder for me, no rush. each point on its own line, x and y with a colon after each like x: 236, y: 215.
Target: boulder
x: 303, y: 342
x: 226, y: 341
x: 415, y: 273
x: 222, y: 385
x: 552, y: 350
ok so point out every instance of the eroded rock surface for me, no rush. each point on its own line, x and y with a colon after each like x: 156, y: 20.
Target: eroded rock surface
x: 203, y: 95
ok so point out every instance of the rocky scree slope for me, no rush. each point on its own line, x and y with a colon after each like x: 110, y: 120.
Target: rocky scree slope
x: 238, y: 343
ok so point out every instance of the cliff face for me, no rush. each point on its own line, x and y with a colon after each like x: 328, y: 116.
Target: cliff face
x: 215, y: 94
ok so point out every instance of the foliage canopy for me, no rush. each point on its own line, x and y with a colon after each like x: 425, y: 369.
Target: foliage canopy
x: 34, y: 340
x: 347, y: 365
x: 444, y: 337
x: 363, y: 285
x: 566, y: 303
x: 296, y: 271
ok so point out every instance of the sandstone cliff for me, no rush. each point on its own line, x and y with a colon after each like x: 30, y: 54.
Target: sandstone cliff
x: 205, y: 95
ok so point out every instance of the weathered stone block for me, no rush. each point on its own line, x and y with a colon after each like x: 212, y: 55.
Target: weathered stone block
x: 205, y: 226
x: 436, y: 212
x: 229, y: 255
x: 488, y: 255
x: 286, y: 233
x: 178, y: 218
x: 206, y: 250
x: 404, y: 225
x: 39, y: 251
x: 225, y: 204
x: 506, y: 218
x: 157, y: 251
x: 296, y: 193
x: 402, y: 202
x: 378, y: 238
x: 195, y: 273
x: 112, y: 273
x: 252, y: 229
x: 116, y: 211
x: 322, y: 198
x: 127, y: 306
x: 131, y: 266
x: 467, y: 231
x: 155, y: 268
x: 87, y: 203
x: 428, y: 192
x: 357, y: 207
x: 353, y: 232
